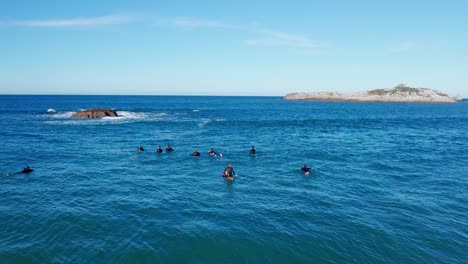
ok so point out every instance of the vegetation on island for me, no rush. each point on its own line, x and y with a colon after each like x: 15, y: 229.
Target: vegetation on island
x: 400, y: 89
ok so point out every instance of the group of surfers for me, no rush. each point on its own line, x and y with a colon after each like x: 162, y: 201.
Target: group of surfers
x: 227, y: 173
x: 158, y: 149
x: 195, y: 153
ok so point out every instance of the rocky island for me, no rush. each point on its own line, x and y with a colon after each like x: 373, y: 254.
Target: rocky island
x: 95, y: 113
x: 400, y: 93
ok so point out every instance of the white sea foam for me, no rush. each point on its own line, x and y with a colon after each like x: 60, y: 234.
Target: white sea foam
x: 195, y: 110
x: 123, y: 117
x: 127, y: 117
x: 50, y: 110
x: 204, y: 122
x: 160, y: 114
x: 62, y: 114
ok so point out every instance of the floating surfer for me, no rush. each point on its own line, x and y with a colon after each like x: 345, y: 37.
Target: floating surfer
x: 196, y: 153
x: 306, y: 170
x: 140, y: 148
x: 252, y: 151
x: 229, y: 173
x: 159, y: 149
x: 169, y: 148
x: 27, y: 169
x: 213, y: 153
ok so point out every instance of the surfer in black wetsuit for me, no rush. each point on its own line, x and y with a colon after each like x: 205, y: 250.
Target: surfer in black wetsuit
x: 27, y: 169
x: 229, y: 171
x: 196, y: 153
x: 304, y: 169
x: 212, y: 152
x: 169, y: 148
x: 159, y: 149
x: 252, y: 151
x: 140, y: 148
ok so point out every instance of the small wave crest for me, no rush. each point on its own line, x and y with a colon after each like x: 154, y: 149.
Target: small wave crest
x: 204, y: 122
x: 51, y: 111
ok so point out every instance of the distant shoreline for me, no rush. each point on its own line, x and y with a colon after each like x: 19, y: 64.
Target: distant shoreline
x: 399, y: 94
x: 370, y: 101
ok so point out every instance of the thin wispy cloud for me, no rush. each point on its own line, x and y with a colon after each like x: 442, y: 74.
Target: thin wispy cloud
x: 72, y: 22
x: 265, y: 37
x: 402, y: 47
x: 193, y: 23
x: 274, y: 38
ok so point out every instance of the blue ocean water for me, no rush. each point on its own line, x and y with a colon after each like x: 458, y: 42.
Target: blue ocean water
x: 390, y: 181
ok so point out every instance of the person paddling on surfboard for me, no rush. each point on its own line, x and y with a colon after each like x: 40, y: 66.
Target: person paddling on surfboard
x: 306, y: 170
x: 212, y: 152
x: 159, y: 149
x: 140, y: 148
x: 252, y: 151
x: 27, y: 169
x: 196, y: 153
x: 229, y: 172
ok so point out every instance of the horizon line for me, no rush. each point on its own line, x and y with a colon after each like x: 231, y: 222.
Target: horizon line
x: 194, y: 95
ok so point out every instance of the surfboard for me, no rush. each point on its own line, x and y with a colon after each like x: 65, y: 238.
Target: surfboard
x: 227, y: 177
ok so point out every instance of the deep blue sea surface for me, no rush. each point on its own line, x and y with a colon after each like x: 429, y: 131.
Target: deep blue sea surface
x: 390, y: 181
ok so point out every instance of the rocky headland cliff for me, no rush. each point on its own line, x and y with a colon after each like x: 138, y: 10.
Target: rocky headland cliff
x: 400, y: 93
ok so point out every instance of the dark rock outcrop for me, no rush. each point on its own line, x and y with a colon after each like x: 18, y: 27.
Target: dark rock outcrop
x: 95, y: 113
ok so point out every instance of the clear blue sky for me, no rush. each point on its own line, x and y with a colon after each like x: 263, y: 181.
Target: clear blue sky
x: 231, y: 48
